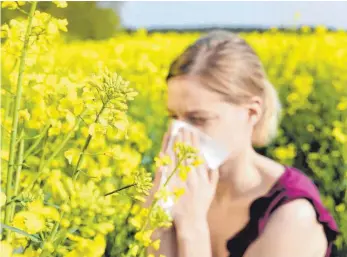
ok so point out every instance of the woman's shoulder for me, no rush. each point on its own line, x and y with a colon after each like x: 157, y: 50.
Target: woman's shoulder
x: 294, y: 193
x: 295, y: 186
x: 296, y: 183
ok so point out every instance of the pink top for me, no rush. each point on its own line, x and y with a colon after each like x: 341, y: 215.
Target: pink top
x: 293, y: 184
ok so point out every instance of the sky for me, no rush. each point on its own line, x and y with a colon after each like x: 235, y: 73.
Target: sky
x: 183, y: 14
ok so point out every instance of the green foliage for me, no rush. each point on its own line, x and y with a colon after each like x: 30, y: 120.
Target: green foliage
x: 87, y: 20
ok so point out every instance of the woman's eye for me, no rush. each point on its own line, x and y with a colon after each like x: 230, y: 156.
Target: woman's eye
x: 171, y: 116
x: 197, y: 120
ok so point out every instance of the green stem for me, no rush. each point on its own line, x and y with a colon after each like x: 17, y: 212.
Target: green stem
x: 86, y: 144
x: 125, y: 223
x: 156, y: 200
x: 120, y: 189
x: 66, y: 139
x: 37, y: 142
x: 43, y: 155
x: 7, y: 111
x: 56, y: 152
x: 19, y: 167
x: 81, y: 156
x: 57, y: 224
x: 18, y: 172
x: 15, y: 117
x: 50, y: 239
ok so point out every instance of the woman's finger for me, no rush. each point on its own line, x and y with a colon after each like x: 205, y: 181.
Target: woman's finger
x: 164, y: 142
x: 186, y: 136
x: 166, y: 139
x: 214, y: 177
x: 202, y: 169
x: 195, y: 140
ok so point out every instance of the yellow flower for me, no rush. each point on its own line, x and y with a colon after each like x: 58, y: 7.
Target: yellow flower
x: 273, y: 29
x: 12, y: 5
x: 340, y: 208
x: 285, y: 153
x: 96, y: 128
x: 303, y: 84
x: 62, y: 24
x: 87, y: 247
x: 72, y: 155
x: 49, y: 247
x: 183, y: 172
x: 321, y: 29
x: 55, y: 129
x: 6, y: 249
x: 133, y: 249
x: 163, y: 161
x: 305, y: 29
x: 156, y: 244
x: 178, y: 192
x: 339, y: 135
x: 5, y: 29
x: 342, y: 105
x: 29, y: 222
x: 77, y: 221
x: 104, y: 228
x: 198, y: 161
x: 65, y: 223
x: 65, y: 208
x: 24, y: 114
x: 60, y: 4
x: 47, y: 211
x: 163, y: 193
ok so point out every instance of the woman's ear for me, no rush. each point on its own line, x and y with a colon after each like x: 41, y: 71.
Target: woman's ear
x: 255, y: 109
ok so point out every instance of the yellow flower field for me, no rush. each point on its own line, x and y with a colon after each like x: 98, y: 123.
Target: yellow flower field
x: 88, y: 118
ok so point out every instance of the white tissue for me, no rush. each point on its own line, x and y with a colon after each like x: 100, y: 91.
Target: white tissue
x: 214, y: 153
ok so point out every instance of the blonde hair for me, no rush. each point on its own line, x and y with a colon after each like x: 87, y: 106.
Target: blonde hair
x: 228, y: 65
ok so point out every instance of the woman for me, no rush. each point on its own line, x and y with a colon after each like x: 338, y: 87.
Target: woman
x: 251, y: 206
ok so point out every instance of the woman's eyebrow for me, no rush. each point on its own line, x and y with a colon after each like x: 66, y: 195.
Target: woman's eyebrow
x: 203, y: 113
x: 170, y: 111
x: 194, y: 112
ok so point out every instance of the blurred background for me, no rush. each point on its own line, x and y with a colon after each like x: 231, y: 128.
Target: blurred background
x: 103, y: 19
x: 237, y: 14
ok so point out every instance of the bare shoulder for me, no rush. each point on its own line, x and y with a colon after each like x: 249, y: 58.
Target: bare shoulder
x: 292, y: 230
x: 299, y: 212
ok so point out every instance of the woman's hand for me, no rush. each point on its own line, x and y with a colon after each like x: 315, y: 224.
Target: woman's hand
x: 168, y: 245
x: 192, y: 207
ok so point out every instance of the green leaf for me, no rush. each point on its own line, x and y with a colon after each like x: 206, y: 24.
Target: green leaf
x: 22, y: 232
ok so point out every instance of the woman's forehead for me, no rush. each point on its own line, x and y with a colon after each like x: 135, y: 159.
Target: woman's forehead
x: 190, y: 94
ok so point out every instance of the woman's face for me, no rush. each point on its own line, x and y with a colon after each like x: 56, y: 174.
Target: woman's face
x: 229, y: 124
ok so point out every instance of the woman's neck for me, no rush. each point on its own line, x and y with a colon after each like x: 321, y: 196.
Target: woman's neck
x: 239, y: 177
